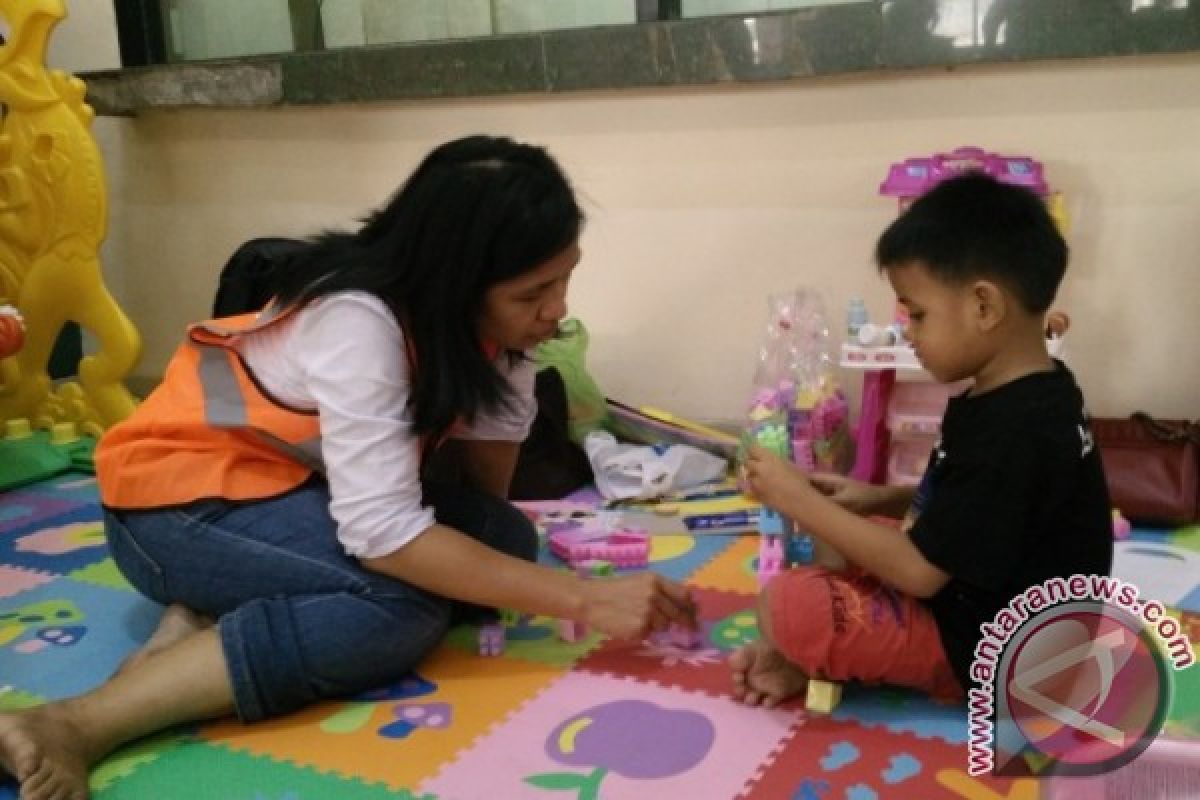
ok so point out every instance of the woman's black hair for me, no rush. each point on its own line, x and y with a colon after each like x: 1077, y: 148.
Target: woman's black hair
x: 477, y: 211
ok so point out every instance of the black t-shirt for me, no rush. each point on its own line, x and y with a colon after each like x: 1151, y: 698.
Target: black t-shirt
x: 1014, y: 495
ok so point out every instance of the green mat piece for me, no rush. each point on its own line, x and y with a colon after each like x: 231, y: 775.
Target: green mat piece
x: 29, y: 460
x: 196, y: 770
x: 33, y: 458
x: 14, y: 699
x: 125, y: 762
x: 1188, y: 538
x: 102, y: 573
x: 1184, y: 716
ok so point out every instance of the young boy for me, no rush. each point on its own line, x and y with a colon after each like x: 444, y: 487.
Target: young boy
x: 1014, y: 493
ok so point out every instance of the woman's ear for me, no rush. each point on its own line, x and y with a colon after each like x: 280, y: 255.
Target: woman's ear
x: 989, y: 305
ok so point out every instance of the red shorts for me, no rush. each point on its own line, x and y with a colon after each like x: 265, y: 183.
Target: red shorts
x: 849, y: 626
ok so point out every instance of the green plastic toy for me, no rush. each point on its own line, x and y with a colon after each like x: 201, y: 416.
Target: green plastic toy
x: 28, y: 456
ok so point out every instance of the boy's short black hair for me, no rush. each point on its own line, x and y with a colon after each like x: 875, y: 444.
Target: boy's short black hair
x: 974, y: 226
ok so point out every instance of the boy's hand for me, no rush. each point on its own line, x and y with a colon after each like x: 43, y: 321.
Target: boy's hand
x: 861, y: 498
x: 632, y: 606
x: 776, y: 483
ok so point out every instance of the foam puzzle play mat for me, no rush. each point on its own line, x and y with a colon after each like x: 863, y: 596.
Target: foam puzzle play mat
x: 548, y: 717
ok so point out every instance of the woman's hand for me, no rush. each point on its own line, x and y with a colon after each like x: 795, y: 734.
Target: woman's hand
x: 632, y: 606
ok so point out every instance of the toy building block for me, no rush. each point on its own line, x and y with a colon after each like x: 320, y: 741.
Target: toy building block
x: 770, y: 523
x: 624, y: 547
x: 823, y: 696
x: 799, y: 549
x: 770, y: 557
x: 28, y: 456
x: 491, y: 638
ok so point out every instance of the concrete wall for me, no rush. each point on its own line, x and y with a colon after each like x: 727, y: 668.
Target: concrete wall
x: 704, y: 201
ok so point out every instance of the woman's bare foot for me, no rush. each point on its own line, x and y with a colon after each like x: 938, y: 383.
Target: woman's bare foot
x: 762, y: 676
x: 178, y: 622
x: 46, y: 752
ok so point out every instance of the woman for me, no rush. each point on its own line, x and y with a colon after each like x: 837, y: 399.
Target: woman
x: 272, y: 483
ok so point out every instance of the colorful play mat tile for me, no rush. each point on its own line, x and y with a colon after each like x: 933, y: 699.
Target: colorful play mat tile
x: 22, y: 508
x: 734, y: 569
x: 828, y: 759
x: 14, y: 580
x: 402, y: 739
x: 64, y: 542
x: 64, y: 637
x: 599, y: 736
x: 726, y: 623
x: 78, y: 487
x: 201, y: 771
x: 902, y: 711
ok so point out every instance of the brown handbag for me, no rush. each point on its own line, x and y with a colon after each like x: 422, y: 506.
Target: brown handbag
x: 1152, y: 467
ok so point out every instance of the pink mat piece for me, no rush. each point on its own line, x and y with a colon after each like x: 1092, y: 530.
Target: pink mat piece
x: 593, y: 736
x: 14, y: 580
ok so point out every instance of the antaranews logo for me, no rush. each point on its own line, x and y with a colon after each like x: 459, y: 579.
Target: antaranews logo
x: 1074, y: 677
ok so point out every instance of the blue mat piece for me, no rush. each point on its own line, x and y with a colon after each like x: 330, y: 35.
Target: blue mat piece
x: 902, y: 711
x: 59, y: 543
x: 67, y: 623
x: 24, y: 509
x: 78, y: 487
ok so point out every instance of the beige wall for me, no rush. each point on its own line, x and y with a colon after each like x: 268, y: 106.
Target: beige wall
x: 704, y: 201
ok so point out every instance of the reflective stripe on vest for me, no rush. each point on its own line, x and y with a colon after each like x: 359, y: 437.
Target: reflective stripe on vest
x: 225, y: 406
x: 207, y: 431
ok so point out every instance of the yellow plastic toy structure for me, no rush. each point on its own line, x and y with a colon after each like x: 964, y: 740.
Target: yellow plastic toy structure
x: 53, y: 217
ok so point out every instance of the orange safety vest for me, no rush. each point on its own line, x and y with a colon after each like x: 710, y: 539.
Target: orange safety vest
x: 208, y: 430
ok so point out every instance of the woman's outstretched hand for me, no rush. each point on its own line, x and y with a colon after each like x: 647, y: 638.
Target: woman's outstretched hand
x: 633, y: 606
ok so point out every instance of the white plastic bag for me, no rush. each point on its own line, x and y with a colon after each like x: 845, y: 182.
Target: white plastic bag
x: 625, y: 471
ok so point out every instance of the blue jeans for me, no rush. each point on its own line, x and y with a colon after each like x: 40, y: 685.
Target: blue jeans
x: 300, y: 620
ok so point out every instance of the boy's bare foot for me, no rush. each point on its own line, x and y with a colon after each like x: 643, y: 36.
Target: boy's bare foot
x: 178, y: 622
x: 45, y: 751
x: 762, y: 676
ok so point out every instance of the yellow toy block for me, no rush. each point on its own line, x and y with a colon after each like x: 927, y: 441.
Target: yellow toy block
x: 823, y: 696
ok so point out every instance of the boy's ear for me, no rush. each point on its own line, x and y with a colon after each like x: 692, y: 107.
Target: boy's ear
x: 989, y: 305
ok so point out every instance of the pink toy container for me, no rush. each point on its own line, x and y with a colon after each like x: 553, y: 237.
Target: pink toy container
x: 907, y: 459
x: 624, y: 547
x: 916, y: 408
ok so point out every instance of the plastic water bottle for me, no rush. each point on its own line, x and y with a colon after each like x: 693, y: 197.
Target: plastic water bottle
x: 856, y: 317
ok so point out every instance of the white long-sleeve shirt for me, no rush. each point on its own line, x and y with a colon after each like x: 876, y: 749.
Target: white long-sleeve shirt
x: 344, y: 356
